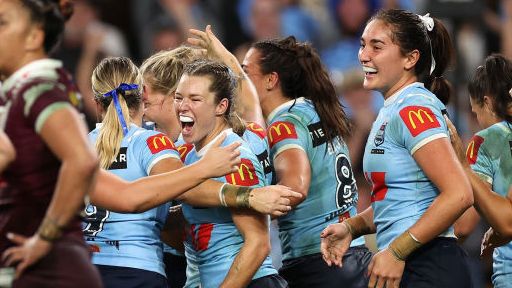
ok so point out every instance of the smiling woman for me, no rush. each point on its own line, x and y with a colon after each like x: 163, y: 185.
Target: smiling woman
x: 204, y: 103
x: 419, y: 189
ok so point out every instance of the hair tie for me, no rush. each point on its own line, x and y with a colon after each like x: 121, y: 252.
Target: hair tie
x: 114, y: 94
x: 428, y: 23
x: 510, y: 92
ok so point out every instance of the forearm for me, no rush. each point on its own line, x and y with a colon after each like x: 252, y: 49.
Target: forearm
x: 361, y: 224
x: 205, y: 194
x: 256, y: 247
x: 497, y: 210
x: 144, y: 193
x: 75, y: 180
x: 441, y: 214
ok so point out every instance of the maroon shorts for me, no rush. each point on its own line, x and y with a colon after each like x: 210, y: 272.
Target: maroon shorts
x: 67, y: 265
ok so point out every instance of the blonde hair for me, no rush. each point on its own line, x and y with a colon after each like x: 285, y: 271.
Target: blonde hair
x: 108, y: 76
x: 163, y: 70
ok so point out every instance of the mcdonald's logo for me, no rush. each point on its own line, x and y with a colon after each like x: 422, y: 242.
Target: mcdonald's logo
x: 256, y: 129
x: 159, y: 142
x: 184, y: 149
x: 473, y: 147
x: 245, y: 176
x: 279, y: 131
x: 418, y: 119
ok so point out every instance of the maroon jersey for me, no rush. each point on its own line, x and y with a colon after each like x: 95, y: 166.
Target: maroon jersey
x: 28, y: 98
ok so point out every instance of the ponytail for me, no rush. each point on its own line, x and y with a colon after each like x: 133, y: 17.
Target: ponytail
x: 302, y: 74
x: 111, y: 133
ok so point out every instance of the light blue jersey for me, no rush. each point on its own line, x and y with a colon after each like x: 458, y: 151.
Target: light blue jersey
x: 410, y: 118
x: 332, y: 195
x: 130, y: 240
x: 256, y: 137
x: 490, y: 156
x: 214, y: 237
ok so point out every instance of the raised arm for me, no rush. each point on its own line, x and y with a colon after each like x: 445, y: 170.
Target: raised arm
x: 248, y: 103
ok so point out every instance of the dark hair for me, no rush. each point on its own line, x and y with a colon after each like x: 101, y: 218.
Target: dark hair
x: 51, y: 14
x: 224, y: 85
x: 494, y: 79
x: 409, y: 32
x: 302, y: 74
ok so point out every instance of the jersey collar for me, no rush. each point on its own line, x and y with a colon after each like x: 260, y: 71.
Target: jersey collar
x: 206, y: 147
x: 395, y: 95
x: 33, y: 69
x: 281, y: 107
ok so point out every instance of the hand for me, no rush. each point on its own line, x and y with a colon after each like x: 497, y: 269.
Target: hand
x: 456, y: 143
x: 219, y: 161
x: 335, y: 242
x: 212, y: 48
x: 491, y: 240
x: 27, y: 253
x: 385, y: 270
x: 273, y: 200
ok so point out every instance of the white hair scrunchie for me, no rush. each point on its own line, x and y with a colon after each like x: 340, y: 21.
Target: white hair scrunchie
x: 428, y: 22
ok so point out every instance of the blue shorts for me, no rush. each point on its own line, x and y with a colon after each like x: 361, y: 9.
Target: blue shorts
x: 311, y: 270
x: 175, y: 269
x: 439, y: 263
x: 127, y: 277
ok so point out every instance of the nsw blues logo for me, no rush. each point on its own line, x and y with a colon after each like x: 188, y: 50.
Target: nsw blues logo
x: 379, y: 136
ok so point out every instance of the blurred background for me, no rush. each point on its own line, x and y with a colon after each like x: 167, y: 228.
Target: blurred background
x: 138, y: 28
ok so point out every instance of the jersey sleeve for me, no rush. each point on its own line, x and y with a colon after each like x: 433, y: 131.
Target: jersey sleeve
x: 41, y: 100
x: 153, y: 147
x: 287, y: 133
x: 479, y: 159
x: 417, y: 124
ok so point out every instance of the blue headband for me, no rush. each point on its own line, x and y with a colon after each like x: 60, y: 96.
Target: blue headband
x: 114, y: 94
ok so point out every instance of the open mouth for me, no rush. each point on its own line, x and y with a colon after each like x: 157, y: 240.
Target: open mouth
x: 186, y: 124
x: 369, y: 70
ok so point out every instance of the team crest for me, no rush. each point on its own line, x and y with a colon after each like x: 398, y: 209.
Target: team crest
x: 379, y: 136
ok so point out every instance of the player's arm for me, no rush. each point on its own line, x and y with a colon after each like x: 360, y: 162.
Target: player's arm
x: 293, y: 170
x: 466, y: 224
x: 497, y: 210
x: 336, y: 238
x: 78, y: 168
x: 249, y: 108
x: 7, y: 151
x: 254, y: 229
x: 149, y: 192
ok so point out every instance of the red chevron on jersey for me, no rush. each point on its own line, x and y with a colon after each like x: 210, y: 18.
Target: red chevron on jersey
x: 159, y: 142
x: 473, y: 147
x: 379, y: 187
x: 245, y: 176
x: 279, y: 131
x: 418, y: 119
x: 256, y: 129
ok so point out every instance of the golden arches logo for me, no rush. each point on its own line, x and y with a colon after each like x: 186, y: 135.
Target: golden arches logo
x: 163, y: 140
x: 245, y: 176
x: 276, y: 130
x: 242, y: 173
x: 255, y: 127
x: 418, y: 113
